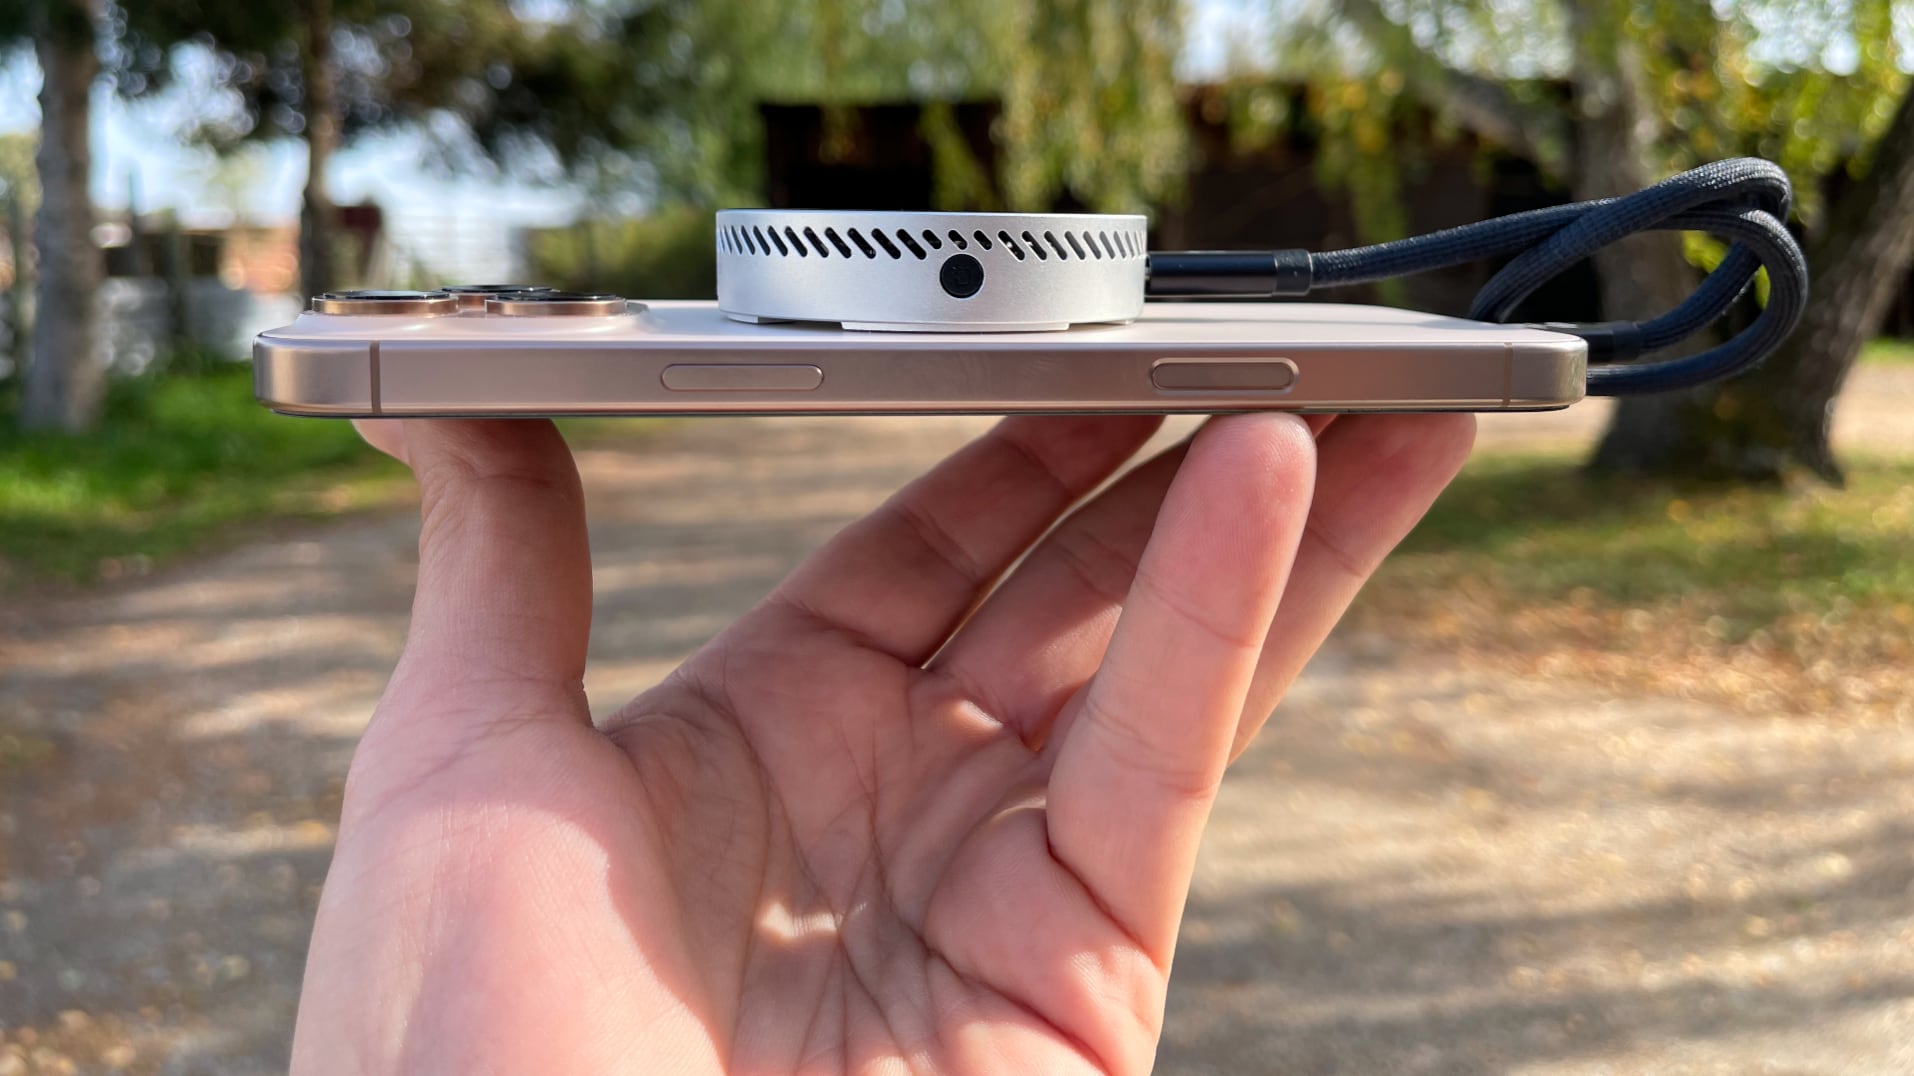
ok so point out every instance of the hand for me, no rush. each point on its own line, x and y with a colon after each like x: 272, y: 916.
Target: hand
x: 866, y: 827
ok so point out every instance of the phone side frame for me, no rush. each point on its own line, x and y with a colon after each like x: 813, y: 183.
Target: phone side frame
x: 872, y: 375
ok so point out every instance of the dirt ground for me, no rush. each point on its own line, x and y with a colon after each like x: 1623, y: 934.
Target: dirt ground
x: 1419, y: 869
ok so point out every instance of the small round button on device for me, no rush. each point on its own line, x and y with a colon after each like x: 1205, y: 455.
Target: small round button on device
x: 962, y: 276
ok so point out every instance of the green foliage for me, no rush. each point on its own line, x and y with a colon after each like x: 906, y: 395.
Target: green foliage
x: 567, y: 84
x: 1809, y: 85
x: 1088, y: 89
x: 665, y: 256
x: 1889, y: 350
x: 659, y: 97
x: 175, y: 458
x: 19, y: 179
x: 1538, y: 533
x: 1089, y: 102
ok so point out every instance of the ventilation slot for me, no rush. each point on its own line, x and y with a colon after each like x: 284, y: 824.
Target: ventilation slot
x: 1035, y: 247
x: 1010, y: 244
x: 958, y: 240
x: 883, y: 240
x: 904, y: 236
x: 1108, y: 247
x: 1076, y: 246
x: 931, y: 238
x: 817, y: 244
x: 796, y: 243
x: 1062, y: 255
x: 984, y: 240
x: 837, y: 241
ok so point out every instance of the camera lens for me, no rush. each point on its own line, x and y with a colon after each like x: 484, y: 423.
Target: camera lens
x: 472, y: 296
x: 539, y: 304
x: 384, y: 302
x: 962, y: 276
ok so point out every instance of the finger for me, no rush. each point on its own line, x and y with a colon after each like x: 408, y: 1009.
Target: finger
x: 1137, y: 771
x: 504, y: 589
x: 1036, y: 641
x: 1038, y: 637
x: 1376, y: 476
x: 385, y: 434
x: 901, y: 578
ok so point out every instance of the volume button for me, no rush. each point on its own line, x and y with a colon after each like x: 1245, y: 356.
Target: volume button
x: 1242, y: 375
x: 742, y: 377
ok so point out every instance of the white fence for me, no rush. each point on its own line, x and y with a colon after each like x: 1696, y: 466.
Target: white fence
x: 137, y: 318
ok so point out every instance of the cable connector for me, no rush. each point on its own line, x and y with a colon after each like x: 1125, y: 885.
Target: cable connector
x: 1238, y: 274
x: 1608, y: 341
x: 1744, y: 201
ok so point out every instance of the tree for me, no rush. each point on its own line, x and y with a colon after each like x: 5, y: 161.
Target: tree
x: 1608, y: 95
x: 1860, y: 246
x: 328, y: 71
x: 1090, y: 108
x: 20, y: 194
x: 659, y: 98
x: 63, y: 380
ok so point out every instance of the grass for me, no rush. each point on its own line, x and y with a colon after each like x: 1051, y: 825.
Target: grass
x: 1781, y: 598
x: 174, y: 461
x: 1889, y: 349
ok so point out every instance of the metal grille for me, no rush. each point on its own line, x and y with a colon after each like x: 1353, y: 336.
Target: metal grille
x: 900, y: 243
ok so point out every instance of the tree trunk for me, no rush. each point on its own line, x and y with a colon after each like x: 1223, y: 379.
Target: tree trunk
x: 1780, y: 416
x: 1644, y: 275
x: 318, y: 232
x: 20, y: 293
x: 1614, y: 133
x: 65, y: 380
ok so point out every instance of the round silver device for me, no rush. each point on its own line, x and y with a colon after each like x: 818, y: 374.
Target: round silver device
x: 931, y: 272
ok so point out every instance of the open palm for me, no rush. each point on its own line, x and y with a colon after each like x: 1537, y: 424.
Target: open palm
x: 874, y: 825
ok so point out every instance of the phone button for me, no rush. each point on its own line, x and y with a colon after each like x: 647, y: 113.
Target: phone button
x: 1201, y: 375
x: 742, y: 377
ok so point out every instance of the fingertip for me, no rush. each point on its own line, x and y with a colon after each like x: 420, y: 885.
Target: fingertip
x: 1268, y: 457
x: 385, y: 434
x: 1433, y: 444
x: 444, y: 451
x: 1451, y: 432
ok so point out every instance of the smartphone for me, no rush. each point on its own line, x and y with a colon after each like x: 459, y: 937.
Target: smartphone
x: 438, y: 356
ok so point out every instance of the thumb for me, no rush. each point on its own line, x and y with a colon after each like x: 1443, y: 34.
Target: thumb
x: 504, y: 590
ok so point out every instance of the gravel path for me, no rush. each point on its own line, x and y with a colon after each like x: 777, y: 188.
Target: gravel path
x: 1416, y: 870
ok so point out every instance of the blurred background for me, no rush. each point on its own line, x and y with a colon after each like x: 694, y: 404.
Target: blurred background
x: 1612, y: 770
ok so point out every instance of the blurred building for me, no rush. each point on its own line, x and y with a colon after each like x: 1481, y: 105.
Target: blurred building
x: 876, y: 157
